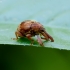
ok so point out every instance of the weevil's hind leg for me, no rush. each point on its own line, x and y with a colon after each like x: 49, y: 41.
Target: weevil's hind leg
x: 18, y: 34
x: 39, y: 40
x: 29, y: 37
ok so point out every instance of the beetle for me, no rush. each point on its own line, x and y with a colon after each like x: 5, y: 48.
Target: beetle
x: 30, y: 28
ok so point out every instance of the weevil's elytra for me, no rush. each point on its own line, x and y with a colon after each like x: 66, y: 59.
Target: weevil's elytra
x: 30, y: 28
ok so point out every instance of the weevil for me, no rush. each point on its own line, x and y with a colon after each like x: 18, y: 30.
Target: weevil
x: 30, y: 28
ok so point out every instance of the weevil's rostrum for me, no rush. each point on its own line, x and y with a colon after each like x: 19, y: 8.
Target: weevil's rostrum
x: 30, y: 28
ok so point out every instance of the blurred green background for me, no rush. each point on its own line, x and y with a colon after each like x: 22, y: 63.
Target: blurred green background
x: 18, y: 55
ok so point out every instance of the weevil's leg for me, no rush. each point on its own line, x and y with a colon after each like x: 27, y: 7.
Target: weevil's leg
x: 39, y: 40
x: 47, y: 36
x: 18, y: 34
x: 29, y: 37
x: 43, y: 38
x: 52, y: 40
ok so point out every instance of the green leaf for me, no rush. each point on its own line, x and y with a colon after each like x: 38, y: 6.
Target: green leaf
x: 18, y: 54
x: 54, y: 15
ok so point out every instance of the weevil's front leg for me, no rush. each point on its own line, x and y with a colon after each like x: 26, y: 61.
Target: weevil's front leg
x: 29, y: 37
x: 43, y: 38
x: 47, y: 36
x: 39, y: 40
x: 52, y: 40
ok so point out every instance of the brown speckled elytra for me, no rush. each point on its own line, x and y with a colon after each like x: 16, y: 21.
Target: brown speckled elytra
x: 30, y: 28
